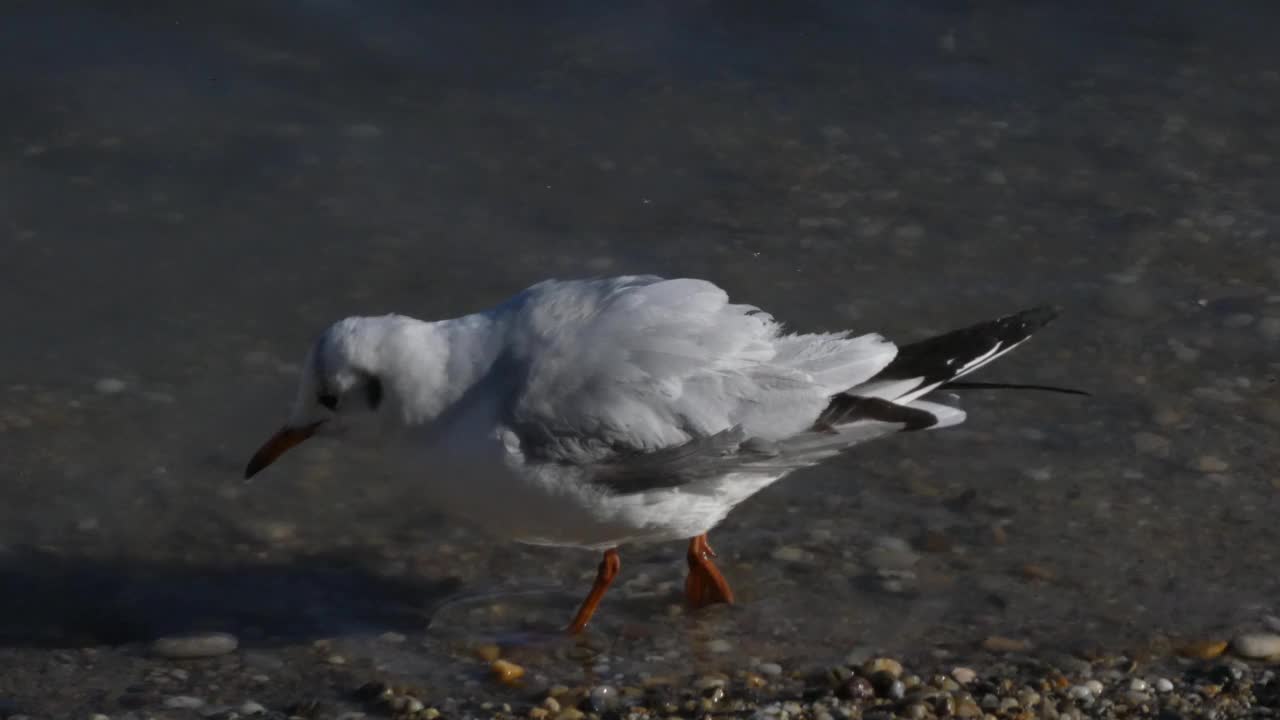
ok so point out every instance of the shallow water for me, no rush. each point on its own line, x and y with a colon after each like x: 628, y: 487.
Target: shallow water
x: 188, y: 196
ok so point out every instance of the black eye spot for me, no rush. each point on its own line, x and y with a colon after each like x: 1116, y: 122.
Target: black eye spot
x: 327, y: 400
x: 373, y: 392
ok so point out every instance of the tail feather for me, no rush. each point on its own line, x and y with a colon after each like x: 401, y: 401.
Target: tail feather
x: 924, y: 366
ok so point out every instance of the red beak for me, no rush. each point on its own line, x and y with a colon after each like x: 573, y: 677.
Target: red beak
x: 279, y: 443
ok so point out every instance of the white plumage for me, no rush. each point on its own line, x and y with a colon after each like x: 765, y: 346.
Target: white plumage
x: 593, y: 413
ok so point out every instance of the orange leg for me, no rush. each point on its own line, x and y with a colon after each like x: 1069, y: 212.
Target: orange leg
x: 609, y: 567
x: 705, y: 585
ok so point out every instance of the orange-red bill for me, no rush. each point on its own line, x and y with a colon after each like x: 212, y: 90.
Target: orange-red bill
x: 279, y: 443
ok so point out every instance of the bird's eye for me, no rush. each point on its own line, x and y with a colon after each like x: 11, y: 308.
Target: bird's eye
x: 327, y: 400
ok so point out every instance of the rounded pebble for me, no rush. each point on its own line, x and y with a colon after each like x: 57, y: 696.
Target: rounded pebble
x: 771, y: 669
x: 1163, y: 685
x: 963, y: 675
x: 603, y: 697
x: 199, y: 645
x: 1257, y: 646
x: 110, y: 386
x: 506, y: 671
x: 183, y: 702
x: 250, y: 707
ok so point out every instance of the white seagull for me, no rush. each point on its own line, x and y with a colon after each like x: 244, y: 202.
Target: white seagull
x: 595, y: 413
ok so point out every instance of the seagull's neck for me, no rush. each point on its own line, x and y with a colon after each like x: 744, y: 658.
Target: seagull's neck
x: 436, y: 363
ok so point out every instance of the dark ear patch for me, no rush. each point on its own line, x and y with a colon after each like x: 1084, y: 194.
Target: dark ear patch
x: 373, y: 392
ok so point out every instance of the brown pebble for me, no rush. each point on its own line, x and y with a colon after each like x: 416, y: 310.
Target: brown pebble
x: 754, y: 681
x: 488, y: 653
x: 1203, y: 650
x: 506, y: 672
x: 999, y: 535
x: 883, y: 664
x: 1037, y: 573
x: 1002, y: 644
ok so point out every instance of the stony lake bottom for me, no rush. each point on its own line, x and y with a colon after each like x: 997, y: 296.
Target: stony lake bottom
x: 190, y: 194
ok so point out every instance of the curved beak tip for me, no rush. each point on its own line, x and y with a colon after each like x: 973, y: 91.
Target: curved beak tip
x: 284, y: 439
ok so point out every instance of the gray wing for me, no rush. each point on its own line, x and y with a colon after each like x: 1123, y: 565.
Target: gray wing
x: 731, y: 451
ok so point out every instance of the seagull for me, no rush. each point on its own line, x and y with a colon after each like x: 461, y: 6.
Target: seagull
x: 602, y: 412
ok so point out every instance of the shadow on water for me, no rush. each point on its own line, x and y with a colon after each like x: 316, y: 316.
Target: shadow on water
x: 51, y: 600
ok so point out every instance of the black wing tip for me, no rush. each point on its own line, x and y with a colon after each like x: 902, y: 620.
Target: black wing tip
x: 1032, y: 319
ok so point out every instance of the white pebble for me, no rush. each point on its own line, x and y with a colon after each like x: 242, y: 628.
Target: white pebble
x: 963, y: 675
x: 249, y: 707
x: 1081, y: 692
x: 1095, y: 687
x: 1257, y: 645
x: 720, y: 645
x: 1163, y: 685
x: 184, y: 702
x: 1138, y: 685
x: 109, y: 386
x: 770, y: 669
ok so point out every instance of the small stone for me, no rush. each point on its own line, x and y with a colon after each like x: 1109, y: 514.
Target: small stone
x: 889, y: 666
x: 856, y: 688
x: 1002, y: 644
x: 99, y: 716
x: 392, y: 637
x: 1211, y: 464
x: 719, y: 645
x: 488, y: 653
x: 551, y: 704
x: 1236, y: 321
x: 183, y: 702
x: 602, y: 698
x: 1257, y: 646
x: 1037, y: 573
x: 1163, y: 685
x: 968, y: 709
x: 1138, y: 685
x: 251, y: 708
x: 1080, y: 692
x: 1147, y: 443
x: 963, y: 675
x: 413, y: 705
x: 336, y: 660
x: 570, y: 713
x: 770, y: 669
x: 1203, y: 650
x: 506, y: 672
x: 110, y: 386
x: 1095, y: 687
x: 199, y: 645
x: 791, y: 553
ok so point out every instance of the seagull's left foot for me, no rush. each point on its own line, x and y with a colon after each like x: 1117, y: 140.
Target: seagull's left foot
x: 705, y: 585
x: 610, y: 565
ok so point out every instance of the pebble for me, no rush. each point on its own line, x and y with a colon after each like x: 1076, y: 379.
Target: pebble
x: 1148, y: 443
x: 791, y: 553
x: 184, y: 702
x: 889, y: 666
x: 1138, y: 685
x: 1257, y: 646
x: 603, y: 697
x: 771, y: 669
x: 1211, y: 464
x: 250, y: 707
x: 1269, y: 328
x: 506, y: 672
x: 110, y: 386
x: 1163, y: 685
x: 1095, y: 687
x: 1001, y: 644
x: 488, y: 653
x: 963, y: 675
x: 1203, y: 650
x: 199, y: 645
x: 892, y: 558
x: 719, y: 645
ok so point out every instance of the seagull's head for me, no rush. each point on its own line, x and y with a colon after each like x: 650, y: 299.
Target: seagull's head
x: 342, y: 379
